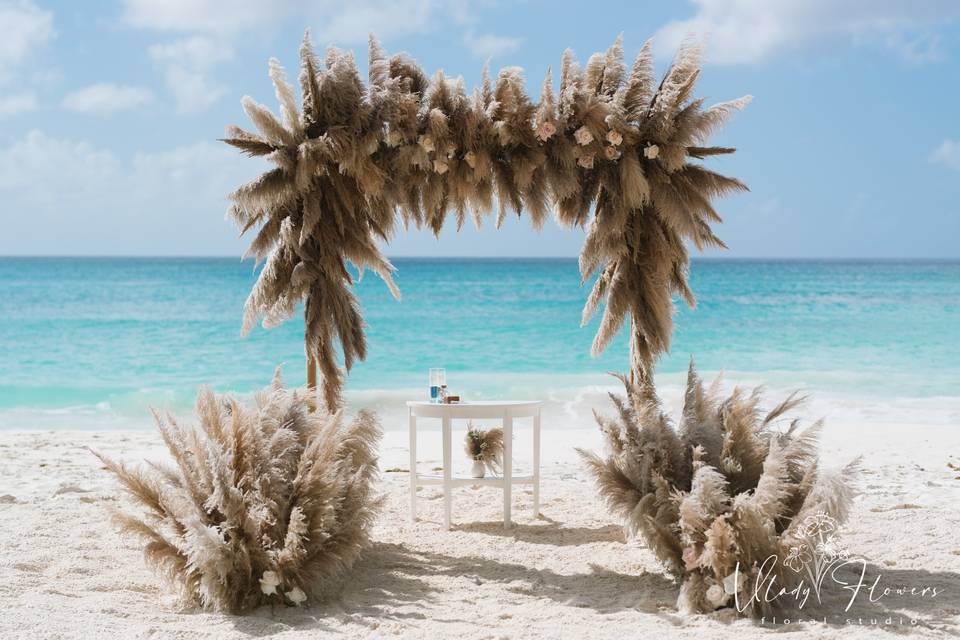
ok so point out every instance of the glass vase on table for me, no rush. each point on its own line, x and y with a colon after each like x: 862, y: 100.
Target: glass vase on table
x: 438, y: 380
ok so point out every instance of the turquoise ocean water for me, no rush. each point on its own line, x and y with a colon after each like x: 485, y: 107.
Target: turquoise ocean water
x: 91, y: 343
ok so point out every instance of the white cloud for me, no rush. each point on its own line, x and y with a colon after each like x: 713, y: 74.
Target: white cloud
x: 947, y: 154
x: 23, y: 28
x: 16, y: 104
x: 922, y: 49
x: 203, y: 16
x: 187, y: 65
x: 209, y: 30
x: 192, y: 88
x: 751, y: 31
x: 352, y: 22
x: 84, y: 199
x: 489, y: 45
x: 105, y: 98
x: 345, y: 22
x: 45, y: 172
x: 195, y: 51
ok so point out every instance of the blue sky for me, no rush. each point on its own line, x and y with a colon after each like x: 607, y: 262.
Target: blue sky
x: 109, y: 113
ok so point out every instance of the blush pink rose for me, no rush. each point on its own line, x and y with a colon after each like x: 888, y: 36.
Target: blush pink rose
x: 546, y: 130
x: 583, y: 136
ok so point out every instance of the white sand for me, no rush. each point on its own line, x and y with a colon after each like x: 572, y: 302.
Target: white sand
x: 65, y: 573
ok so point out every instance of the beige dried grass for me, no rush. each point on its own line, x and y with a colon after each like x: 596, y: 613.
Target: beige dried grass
x: 355, y: 160
x: 724, y: 490
x: 269, y: 487
x: 486, y: 446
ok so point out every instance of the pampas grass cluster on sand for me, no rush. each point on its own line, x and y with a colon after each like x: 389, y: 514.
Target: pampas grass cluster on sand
x: 720, y: 494
x: 485, y: 445
x: 354, y: 160
x: 262, y: 503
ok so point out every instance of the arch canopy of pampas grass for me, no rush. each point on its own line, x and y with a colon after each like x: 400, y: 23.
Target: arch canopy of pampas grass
x: 720, y: 494
x: 354, y: 160
x: 262, y: 502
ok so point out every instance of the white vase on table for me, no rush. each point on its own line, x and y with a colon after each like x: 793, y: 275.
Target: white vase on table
x: 478, y: 469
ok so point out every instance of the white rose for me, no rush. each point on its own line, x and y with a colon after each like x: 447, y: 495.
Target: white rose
x: 733, y: 582
x: 716, y: 596
x: 614, y: 137
x: 651, y: 151
x: 583, y: 136
x: 296, y: 596
x: 269, y: 582
x: 586, y: 161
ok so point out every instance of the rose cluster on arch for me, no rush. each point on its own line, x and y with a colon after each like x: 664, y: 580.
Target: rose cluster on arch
x: 354, y: 160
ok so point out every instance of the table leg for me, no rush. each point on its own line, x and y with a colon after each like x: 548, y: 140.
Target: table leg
x: 507, y: 467
x: 536, y: 465
x: 447, y: 472
x: 412, y: 419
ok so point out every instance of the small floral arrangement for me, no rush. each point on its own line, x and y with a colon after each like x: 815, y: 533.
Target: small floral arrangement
x: 485, y: 446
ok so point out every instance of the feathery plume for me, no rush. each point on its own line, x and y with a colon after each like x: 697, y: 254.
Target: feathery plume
x: 356, y: 160
x: 262, y: 501
x: 726, y: 490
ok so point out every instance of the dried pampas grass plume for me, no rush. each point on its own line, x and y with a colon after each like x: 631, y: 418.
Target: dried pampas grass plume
x: 719, y: 494
x: 354, y: 160
x: 261, y: 504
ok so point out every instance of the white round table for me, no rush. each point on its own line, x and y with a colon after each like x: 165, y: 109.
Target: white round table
x: 503, y: 410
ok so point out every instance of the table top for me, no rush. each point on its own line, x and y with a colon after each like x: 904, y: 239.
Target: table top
x: 485, y: 409
x: 476, y: 403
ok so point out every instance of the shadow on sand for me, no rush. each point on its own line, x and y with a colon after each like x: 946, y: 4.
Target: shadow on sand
x: 395, y: 585
x: 549, y: 533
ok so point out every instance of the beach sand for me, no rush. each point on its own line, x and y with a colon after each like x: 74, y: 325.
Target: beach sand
x: 65, y: 572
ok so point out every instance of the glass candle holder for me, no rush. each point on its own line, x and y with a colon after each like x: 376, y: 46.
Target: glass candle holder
x: 438, y: 378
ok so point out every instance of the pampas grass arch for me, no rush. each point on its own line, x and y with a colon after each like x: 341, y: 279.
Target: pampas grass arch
x: 354, y: 160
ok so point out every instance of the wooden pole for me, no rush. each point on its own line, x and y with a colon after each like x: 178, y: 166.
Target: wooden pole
x: 312, y: 383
